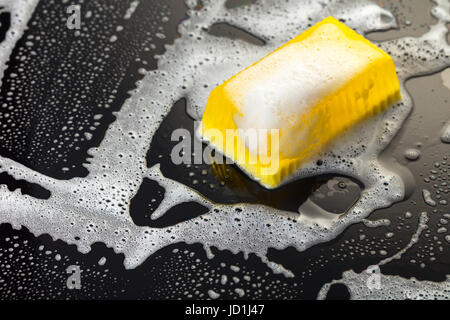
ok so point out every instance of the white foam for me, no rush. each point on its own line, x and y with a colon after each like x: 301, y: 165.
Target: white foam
x: 131, y: 9
x: 392, y: 287
x: 20, y: 12
x: 276, y: 92
x: 95, y: 208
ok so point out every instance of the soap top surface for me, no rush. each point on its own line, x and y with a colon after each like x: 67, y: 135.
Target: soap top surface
x: 275, y: 92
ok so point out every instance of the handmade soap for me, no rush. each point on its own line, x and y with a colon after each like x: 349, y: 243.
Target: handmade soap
x: 297, y: 100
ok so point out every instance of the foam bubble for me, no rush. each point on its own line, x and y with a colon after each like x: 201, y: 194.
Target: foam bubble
x: 412, y: 154
x: 428, y: 198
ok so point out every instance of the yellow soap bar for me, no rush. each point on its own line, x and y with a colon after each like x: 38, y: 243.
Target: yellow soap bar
x: 273, y: 116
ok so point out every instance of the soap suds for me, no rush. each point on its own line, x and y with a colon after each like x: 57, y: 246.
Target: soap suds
x: 290, y: 81
x: 428, y: 198
x: 391, y: 287
x: 95, y: 208
x: 20, y: 12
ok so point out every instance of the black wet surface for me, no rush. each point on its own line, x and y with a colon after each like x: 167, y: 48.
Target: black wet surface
x: 168, y: 273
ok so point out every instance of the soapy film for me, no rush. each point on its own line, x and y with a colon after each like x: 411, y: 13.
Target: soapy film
x: 83, y: 211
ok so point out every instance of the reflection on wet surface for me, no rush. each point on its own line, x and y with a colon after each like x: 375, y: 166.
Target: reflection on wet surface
x: 224, y: 29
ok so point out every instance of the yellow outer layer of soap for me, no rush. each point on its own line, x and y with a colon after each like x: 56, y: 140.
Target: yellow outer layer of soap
x: 371, y: 91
